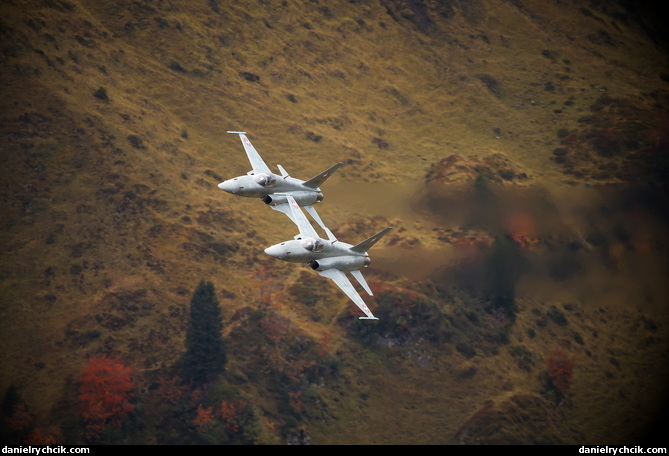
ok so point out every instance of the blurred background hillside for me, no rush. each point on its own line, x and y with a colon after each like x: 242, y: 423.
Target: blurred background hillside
x: 518, y: 148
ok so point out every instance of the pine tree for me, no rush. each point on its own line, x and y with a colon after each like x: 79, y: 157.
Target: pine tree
x: 205, y: 355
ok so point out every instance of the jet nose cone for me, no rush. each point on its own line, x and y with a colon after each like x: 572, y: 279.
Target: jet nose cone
x: 229, y: 186
x: 276, y: 251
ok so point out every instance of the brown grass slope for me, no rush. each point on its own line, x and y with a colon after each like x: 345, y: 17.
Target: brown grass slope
x: 113, y: 140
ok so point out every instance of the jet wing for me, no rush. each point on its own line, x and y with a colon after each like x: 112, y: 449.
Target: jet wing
x: 257, y: 163
x: 300, y: 219
x: 340, y: 279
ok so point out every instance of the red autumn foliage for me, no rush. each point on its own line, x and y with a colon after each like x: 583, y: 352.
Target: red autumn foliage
x: 204, y: 418
x: 560, y: 369
x: 230, y: 414
x: 105, y: 391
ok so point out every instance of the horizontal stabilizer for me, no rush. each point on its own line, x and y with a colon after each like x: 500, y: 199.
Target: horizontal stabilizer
x: 284, y: 174
x: 361, y: 280
x: 312, y: 211
x: 331, y: 237
x: 340, y: 279
x: 368, y: 243
x: 367, y: 318
x: 316, y: 181
x: 285, y: 208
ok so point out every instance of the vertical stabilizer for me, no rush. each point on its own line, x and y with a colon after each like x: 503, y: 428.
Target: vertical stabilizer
x: 316, y: 181
x: 368, y: 243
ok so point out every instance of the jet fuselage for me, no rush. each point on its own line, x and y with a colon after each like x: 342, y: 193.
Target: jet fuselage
x: 309, y: 249
x: 258, y: 185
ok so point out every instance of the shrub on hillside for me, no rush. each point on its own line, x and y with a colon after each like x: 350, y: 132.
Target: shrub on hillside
x: 560, y: 370
x: 105, y: 393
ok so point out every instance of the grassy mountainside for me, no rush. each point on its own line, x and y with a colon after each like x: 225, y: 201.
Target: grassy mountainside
x: 518, y: 149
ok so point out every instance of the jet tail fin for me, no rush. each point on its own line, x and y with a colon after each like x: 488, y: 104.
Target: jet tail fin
x: 316, y: 181
x: 368, y: 243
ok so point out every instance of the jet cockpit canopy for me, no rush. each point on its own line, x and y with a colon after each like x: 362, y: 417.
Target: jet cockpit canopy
x: 266, y: 180
x: 312, y: 245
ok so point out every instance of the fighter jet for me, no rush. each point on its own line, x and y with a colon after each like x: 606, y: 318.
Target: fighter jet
x: 273, y: 189
x: 330, y: 258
